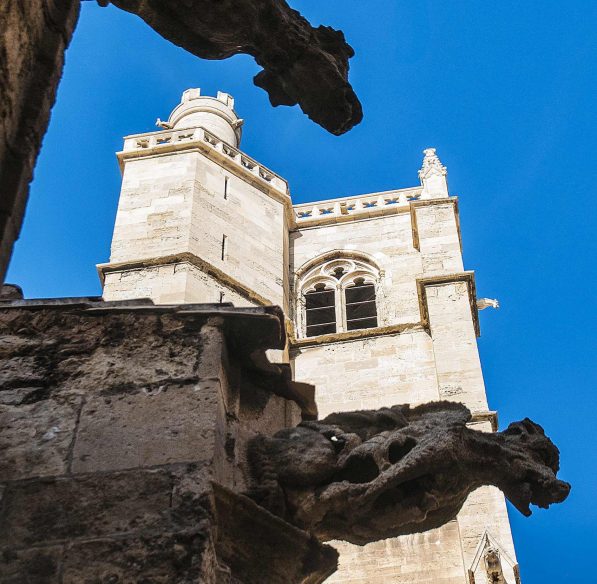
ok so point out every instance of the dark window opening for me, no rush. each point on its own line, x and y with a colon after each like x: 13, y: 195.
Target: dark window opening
x: 361, y: 311
x: 338, y: 273
x: 321, y: 311
x: 224, y: 246
x: 225, y: 187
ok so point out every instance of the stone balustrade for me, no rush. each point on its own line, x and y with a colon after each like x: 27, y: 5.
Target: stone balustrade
x: 167, y: 139
x: 360, y: 205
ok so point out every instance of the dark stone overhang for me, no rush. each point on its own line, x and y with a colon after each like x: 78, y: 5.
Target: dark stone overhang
x: 249, y: 333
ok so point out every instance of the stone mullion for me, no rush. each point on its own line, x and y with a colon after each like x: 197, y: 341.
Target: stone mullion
x: 340, y: 309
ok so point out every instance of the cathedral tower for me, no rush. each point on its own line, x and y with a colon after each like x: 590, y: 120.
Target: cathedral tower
x: 198, y: 220
x: 385, y: 313
x: 380, y: 308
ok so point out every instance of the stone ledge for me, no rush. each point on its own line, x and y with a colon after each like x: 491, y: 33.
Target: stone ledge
x: 467, y: 277
x: 356, y: 334
x: 249, y: 333
x: 189, y: 258
x: 430, y: 203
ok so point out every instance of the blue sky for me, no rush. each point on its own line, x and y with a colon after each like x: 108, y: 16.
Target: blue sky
x: 505, y: 91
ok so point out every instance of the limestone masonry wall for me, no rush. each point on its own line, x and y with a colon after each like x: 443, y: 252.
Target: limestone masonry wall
x: 98, y: 483
x: 183, y: 203
x: 423, y: 291
x: 114, y: 420
x: 347, y: 375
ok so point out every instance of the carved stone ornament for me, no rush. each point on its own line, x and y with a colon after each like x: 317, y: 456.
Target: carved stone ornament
x: 431, y: 165
x: 301, y: 64
x: 369, y: 475
x: 493, y: 566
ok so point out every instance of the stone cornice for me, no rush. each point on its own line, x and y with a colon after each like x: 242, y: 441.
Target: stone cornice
x: 414, y: 205
x: 490, y: 416
x: 467, y: 277
x: 188, y: 258
x: 153, y: 144
x: 355, y: 208
x: 353, y: 335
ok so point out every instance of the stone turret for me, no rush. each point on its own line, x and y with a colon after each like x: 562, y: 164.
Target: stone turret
x: 215, y: 114
x: 198, y: 220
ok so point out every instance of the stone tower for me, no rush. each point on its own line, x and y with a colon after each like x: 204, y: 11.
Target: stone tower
x: 198, y: 220
x: 379, y: 307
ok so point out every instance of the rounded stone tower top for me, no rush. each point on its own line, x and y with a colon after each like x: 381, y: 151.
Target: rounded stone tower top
x: 215, y: 114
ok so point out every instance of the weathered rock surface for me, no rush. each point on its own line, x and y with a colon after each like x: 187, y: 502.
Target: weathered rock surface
x: 301, y: 64
x: 370, y: 475
x: 33, y: 38
x: 128, y: 433
x: 123, y: 431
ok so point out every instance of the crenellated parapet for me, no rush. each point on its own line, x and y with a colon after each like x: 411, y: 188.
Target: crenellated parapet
x: 434, y: 186
x: 179, y: 140
x: 356, y: 207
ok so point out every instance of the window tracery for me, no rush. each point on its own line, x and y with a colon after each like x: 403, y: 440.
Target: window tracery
x: 338, y: 295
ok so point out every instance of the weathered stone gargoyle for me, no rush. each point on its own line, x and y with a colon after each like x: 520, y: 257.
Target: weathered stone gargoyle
x: 301, y: 64
x: 369, y: 475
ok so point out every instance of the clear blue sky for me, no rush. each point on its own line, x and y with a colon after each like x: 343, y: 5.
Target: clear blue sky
x: 505, y: 90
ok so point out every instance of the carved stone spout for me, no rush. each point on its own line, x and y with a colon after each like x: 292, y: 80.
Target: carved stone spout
x: 369, y: 475
x: 301, y: 64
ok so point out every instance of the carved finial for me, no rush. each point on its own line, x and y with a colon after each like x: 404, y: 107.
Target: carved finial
x: 433, y: 176
x: 431, y: 165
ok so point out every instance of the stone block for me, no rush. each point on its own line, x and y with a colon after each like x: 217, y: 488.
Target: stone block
x: 22, y: 371
x: 60, y: 509
x: 168, y: 424
x: 35, y: 438
x: 31, y: 566
x: 182, y: 558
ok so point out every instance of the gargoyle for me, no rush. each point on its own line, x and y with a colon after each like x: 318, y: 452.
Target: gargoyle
x: 369, y: 475
x: 301, y: 64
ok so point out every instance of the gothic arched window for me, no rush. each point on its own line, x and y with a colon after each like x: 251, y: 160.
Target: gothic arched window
x: 361, y: 310
x: 337, y: 295
x: 320, y: 310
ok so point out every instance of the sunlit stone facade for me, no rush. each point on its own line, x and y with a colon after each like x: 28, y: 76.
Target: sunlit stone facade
x: 380, y: 308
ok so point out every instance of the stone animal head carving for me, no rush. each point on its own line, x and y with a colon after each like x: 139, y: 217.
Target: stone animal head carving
x: 301, y: 64
x: 370, y: 475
